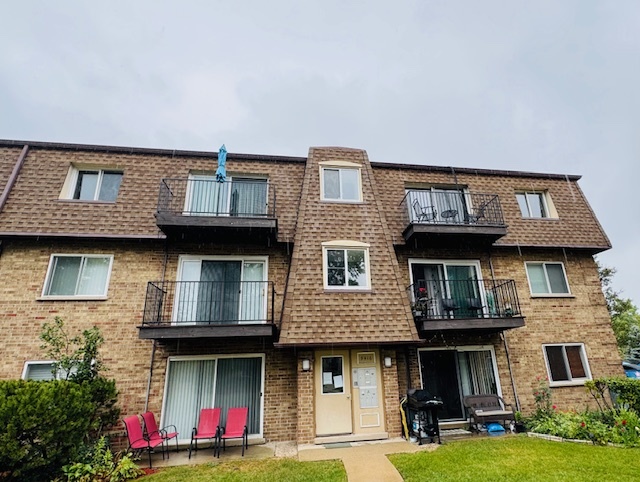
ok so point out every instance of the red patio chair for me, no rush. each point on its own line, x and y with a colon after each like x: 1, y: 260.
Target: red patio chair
x: 208, y: 428
x: 137, y: 441
x: 152, y: 431
x: 236, y: 427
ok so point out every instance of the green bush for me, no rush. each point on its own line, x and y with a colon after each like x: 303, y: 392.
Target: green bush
x: 43, y: 427
x: 102, y: 465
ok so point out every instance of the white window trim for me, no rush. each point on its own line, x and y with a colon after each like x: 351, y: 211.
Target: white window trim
x: 216, y: 357
x: 547, y: 204
x: 548, y: 295
x: 573, y: 381
x: 47, y: 279
x: 346, y: 244
x: 71, y: 181
x: 341, y: 165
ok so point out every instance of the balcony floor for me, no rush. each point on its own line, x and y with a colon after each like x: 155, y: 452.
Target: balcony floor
x: 172, y: 332
x: 486, y: 325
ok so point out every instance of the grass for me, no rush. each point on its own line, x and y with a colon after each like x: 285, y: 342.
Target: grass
x: 266, y: 470
x: 519, y: 459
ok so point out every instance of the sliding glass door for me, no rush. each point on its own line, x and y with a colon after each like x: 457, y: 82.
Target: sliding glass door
x: 452, y: 288
x: 193, y: 384
x: 237, y: 196
x: 454, y: 374
x: 212, y: 291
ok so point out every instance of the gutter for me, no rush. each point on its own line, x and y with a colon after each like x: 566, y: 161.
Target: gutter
x: 14, y: 175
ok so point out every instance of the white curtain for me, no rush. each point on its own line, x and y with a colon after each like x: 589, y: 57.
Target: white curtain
x: 93, y: 277
x: 189, y: 389
x: 252, y: 297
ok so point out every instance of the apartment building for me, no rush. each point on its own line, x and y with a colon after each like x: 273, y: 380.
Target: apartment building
x: 314, y: 290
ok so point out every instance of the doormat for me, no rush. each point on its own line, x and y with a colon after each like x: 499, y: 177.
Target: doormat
x: 337, y: 445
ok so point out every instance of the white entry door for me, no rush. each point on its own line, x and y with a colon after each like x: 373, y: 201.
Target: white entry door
x: 333, y: 393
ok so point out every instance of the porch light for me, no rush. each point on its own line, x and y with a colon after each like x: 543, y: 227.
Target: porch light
x: 387, y: 362
x: 306, y: 365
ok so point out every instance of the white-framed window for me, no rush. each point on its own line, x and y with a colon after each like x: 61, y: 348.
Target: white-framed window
x: 566, y: 364
x: 534, y: 204
x: 547, y: 279
x: 92, y: 184
x: 341, y: 184
x: 43, y: 370
x: 78, y: 276
x: 346, y: 265
x: 224, y: 381
x: 38, y: 370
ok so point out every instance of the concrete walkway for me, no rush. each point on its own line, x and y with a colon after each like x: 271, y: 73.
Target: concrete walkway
x: 364, y: 461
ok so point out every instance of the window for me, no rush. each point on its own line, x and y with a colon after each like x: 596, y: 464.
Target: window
x: 43, y: 371
x: 38, y: 370
x: 346, y: 267
x: 533, y: 204
x: 78, y: 276
x: 547, y: 279
x: 566, y: 364
x: 96, y: 185
x: 340, y: 184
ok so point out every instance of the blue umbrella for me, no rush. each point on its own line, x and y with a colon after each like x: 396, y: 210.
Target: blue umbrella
x: 221, y: 173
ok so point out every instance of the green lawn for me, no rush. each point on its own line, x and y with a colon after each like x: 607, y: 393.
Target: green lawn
x: 267, y: 470
x: 519, y: 459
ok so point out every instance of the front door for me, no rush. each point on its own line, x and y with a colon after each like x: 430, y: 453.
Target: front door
x: 333, y: 393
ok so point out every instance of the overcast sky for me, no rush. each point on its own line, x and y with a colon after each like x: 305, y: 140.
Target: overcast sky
x: 544, y: 86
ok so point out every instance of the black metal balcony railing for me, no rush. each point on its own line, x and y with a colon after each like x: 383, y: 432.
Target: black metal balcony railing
x: 453, y: 207
x: 441, y: 299
x: 207, y: 197
x: 209, y: 302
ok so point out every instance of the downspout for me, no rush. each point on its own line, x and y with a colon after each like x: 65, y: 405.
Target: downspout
x: 503, y: 335
x: 14, y: 175
x: 153, y: 343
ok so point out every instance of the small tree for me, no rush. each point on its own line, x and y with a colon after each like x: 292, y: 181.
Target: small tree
x: 625, y: 319
x: 78, y: 360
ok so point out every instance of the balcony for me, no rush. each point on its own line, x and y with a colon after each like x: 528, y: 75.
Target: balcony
x: 200, y: 206
x: 450, y: 214
x: 208, y: 309
x: 468, y: 305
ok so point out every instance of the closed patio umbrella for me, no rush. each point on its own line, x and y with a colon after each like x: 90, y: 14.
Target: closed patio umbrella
x: 221, y: 173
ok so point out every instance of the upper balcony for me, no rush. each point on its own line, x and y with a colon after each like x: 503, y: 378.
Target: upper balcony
x: 208, y: 309
x: 449, y: 213
x: 465, y: 305
x: 199, y: 205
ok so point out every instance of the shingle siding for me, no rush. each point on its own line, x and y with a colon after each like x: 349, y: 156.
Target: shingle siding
x: 35, y: 223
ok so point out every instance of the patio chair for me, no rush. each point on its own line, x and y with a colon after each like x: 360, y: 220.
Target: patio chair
x: 236, y: 427
x: 137, y: 441
x: 152, y: 431
x: 424, y: 213
x: 208, y: 428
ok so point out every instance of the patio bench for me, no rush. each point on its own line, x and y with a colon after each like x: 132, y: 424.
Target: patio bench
x: 488, y: 408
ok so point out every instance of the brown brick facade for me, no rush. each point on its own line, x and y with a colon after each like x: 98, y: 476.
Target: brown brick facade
x: 35, y: 224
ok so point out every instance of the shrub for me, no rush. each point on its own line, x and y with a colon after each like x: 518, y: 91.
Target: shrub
x: 102, y: 465
x: 43, y: 425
